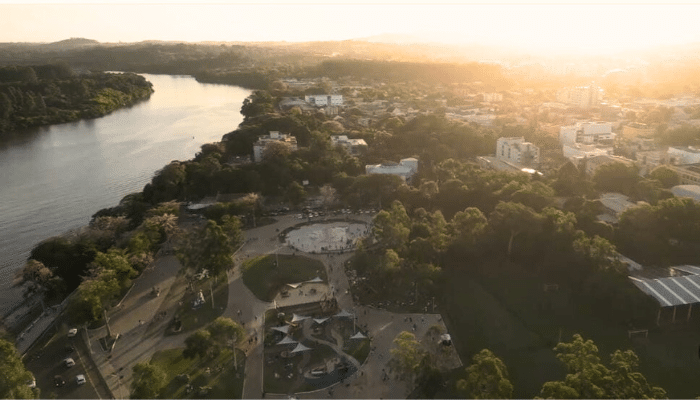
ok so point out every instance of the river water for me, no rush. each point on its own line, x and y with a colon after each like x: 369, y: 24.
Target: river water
x: 53, y: 179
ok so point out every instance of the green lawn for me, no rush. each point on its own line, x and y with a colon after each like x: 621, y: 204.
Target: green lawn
x: 265, y: 279
x: 225, y: 383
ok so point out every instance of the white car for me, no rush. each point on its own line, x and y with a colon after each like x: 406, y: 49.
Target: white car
x: 80, y: 379
x: 69, y: 362
x: 72, y: 332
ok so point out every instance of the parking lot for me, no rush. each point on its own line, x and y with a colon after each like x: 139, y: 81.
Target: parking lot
x: 47, y: 360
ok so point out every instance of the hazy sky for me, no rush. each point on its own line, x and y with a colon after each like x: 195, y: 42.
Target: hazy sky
x: 544, y: 25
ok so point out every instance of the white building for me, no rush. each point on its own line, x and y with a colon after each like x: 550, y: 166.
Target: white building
x: 493, y: 97
x: 352, y: 146
x: 577, y: 152
x: 690, y: 191
x: 325, y: 99
x: 582, y: 96
x: 587, y: 133
x: 517, y: 151
x: 405, y: 169
x: 274, y: 136
x: 684, y: 155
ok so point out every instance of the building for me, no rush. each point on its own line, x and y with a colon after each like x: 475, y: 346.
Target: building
x: 689, y: 191
x: 405, y: 169
x: 684, y: 155
x: 274, y: 136
x: 322, y: 100
x: 352, y: 146
x: 597, y: 133
x: 492, y: 97
x: 582, y: 96
x: 578, y: 152
x: 517, y: 151
x: 689, y: 174
x: 615, y: 204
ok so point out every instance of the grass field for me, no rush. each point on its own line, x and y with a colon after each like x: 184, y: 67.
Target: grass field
x: 508, y: 312
x: 225, y: 383
x: 265, y: 279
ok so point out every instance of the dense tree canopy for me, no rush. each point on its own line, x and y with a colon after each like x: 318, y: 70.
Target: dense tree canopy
x: 13, y: 375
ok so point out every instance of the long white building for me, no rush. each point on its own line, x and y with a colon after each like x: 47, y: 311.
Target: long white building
x: 405, y: 169
x: 517, y: 151
x: 325, y: 99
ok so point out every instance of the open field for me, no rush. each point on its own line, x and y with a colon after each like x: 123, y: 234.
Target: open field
x: 510, y: 314
x: 265, y: 279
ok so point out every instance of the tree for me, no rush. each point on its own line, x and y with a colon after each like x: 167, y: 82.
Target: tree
x: 148, y: 381
x: 211, y: 247
x: 223, y: 330
x: 666, y: 176
x: 587, y: 377
x: 393, y: 227
x: 13, y: 375
x: 514, y: 219
x: 198, y: 344
x: 616, y: 177
x: 487, y: 378
x: 406, y: 356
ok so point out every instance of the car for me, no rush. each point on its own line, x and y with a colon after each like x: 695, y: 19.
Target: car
x: 80, y: 379
x: 69, y: 362
x: 72, y: 332
x: 31, y: 383
x: 58, y: 381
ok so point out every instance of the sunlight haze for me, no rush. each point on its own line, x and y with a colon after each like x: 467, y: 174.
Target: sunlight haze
x: 573, y: 28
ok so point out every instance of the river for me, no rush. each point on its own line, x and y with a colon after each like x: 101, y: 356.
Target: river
x: 55, y: 178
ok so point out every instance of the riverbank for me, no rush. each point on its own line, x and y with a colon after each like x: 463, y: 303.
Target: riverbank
x: 56, y: 177
x: 57, y: 101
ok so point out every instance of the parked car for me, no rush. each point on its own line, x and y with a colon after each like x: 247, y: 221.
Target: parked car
x: 80, y: 379
x: 72, y: 332
x: 69, y: 362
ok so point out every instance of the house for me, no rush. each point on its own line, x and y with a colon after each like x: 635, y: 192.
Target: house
x: 517, y: 151
x: 352, y: 146
x: 405, y: 169
x: 615, y: 204
x: 274, y: 136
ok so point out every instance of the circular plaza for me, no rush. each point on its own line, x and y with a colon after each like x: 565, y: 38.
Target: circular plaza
x: 327, y: 237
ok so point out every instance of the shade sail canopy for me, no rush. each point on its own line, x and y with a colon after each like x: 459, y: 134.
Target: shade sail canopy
x: 358, y: 335
x: 321, y: 320
x: 297, y: 318
x: 316, y: 280
x: 287, y: 340
x: 283, y: 329
x: 300, y: 347
x: 671, y: 291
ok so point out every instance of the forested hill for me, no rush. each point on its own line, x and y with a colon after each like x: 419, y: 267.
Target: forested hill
x: 50, y: 94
